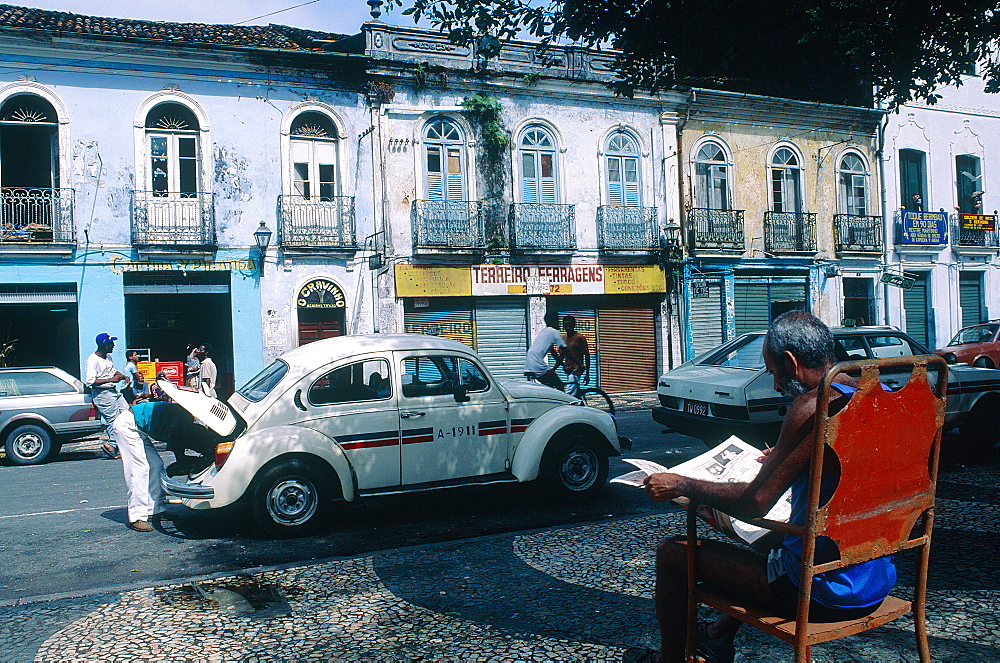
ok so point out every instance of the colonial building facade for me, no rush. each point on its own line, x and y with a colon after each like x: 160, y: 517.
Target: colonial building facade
x: 781, y: 212
x: 942, y: 191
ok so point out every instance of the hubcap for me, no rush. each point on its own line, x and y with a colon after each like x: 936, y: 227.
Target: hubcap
x: 292, y: 501
x: 28, y: 445
x: 579, y: 468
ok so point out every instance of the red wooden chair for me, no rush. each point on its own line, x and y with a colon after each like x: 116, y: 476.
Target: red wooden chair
x: 871, y: 513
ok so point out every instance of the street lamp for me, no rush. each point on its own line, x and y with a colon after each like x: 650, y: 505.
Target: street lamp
x: 263, y: 237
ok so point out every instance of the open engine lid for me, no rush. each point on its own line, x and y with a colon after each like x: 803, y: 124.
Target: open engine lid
x: 210, y: 411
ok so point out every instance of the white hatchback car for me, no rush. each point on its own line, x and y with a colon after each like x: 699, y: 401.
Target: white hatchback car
x: 727, y: 391
x: 353, y: 416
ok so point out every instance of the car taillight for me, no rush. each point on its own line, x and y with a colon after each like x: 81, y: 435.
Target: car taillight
x: 222, y: 451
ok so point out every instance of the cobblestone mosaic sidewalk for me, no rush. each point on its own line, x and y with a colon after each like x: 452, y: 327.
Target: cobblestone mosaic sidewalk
x: 580, y: 593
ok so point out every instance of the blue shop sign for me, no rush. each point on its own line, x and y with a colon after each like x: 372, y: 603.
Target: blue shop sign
x: 925, y: 227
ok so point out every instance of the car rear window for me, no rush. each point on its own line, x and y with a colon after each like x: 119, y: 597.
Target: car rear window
x: 261, y: 385
x: 746, y: 352
x: 33, y: 384
x: 977, y: 334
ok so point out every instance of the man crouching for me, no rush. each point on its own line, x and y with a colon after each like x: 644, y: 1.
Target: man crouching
x: 798, y: 351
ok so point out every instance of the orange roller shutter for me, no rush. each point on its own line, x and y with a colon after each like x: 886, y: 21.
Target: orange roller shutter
x: 627, y: 341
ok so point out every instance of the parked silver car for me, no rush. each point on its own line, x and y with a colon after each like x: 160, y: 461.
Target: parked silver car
x: 41, y: 408
x: 727, y: 391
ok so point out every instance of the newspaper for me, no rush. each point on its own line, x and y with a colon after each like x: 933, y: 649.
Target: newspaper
x: 733, y: 461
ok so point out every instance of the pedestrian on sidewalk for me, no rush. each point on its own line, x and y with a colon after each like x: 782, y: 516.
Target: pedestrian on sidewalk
x: 100, y: 375
x: 209, y: 371
x: 142, y: 464
x: 546, y: 342
x: 138, y: 388
x: 576, y: 356
x: 192, y: 367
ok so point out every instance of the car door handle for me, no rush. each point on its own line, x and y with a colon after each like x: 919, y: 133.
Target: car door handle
x: 411, y: 415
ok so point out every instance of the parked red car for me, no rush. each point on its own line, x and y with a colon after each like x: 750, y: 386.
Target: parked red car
x: 976, y: 345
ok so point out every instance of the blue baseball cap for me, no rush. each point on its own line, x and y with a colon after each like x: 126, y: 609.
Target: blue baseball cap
x: 105, y: 338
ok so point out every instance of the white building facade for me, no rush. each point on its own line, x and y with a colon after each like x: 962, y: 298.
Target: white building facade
x: 941, y: 166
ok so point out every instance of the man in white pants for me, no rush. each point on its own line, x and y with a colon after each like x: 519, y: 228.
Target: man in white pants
x: 143, y: 466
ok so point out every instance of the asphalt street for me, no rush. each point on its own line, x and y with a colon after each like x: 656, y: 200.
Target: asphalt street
x: 63, y: 523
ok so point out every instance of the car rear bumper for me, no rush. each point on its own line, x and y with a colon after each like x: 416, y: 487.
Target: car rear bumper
x: 186, y: 489
x: 714, y: 428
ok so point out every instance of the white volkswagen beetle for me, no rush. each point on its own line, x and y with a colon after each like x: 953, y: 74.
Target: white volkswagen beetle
x: 348, y: 417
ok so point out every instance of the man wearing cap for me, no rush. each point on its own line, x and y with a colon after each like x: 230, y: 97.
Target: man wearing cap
x: 101, y: 376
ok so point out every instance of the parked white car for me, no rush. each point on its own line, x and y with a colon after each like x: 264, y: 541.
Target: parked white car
x: 353, y: 416
x: 727, y: 391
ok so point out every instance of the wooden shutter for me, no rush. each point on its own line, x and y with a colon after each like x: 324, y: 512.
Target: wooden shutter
x: 627, y: 341
x: 529, y: 178
x: 630, y: 185
x: 435, y: 172
x: 915, y: 306
x: 615, y: 195
x: 455, y: 177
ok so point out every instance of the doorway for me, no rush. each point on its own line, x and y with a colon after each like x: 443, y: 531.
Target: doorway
x: 165, y: 311
x: 859, y: 306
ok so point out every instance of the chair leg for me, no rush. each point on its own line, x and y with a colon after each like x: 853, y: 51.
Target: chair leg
x: 920, y: 628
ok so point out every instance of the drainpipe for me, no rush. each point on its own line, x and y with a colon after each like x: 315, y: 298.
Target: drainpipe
x: 886, y: 225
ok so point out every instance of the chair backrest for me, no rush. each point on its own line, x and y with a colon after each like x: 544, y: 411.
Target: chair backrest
x: 886, y: 444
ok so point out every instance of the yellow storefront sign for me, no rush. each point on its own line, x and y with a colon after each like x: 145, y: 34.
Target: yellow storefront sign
x: 447, y: 281
x: 432, y: 281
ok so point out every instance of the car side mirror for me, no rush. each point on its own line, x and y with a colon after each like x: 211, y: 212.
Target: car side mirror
x: 461, y: 396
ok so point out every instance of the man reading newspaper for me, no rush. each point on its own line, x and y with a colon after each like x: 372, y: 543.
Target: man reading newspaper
x: 798, y: 350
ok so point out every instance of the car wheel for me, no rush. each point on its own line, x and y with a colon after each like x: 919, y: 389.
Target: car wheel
x: 984, y: 362
x: 981, y: 429
x: 574, y: 467
x: 290, y: 499
x: 28, y: 445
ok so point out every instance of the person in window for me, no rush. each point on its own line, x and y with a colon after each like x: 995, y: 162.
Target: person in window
x: 917, y: 203
x: 546, y: 342
x: 798, y: 351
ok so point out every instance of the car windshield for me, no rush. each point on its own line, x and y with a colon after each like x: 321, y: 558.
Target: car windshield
x: 976, y: 334
x: 745, y: 352
x: 261, y: 385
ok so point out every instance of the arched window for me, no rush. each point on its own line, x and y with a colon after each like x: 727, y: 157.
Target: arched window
x: 786, y: 180
x: 538, y: 167
x: 711, y: 170
x: 853, y: 185
x: 29, y: 143
x: 314, y: 144
x: 172, y: 139
x: 622, y: 154
x: 444, y: 160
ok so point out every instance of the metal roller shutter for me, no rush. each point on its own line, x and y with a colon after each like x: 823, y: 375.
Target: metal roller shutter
x: 705, y: 314
x: 586, y: 324
x: 502, y: 337
x: 442, y: 318
x: 627, y: 338
x: 753, y: 311
x: 970, y: 297
x: 915, y: 305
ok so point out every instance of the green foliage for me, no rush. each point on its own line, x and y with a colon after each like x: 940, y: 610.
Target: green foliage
x: 532, y: 77
x: 487, y: 113
x: 823, y: 50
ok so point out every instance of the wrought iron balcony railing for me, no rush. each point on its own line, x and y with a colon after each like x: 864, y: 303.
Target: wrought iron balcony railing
x: 988, y: 239
x: 316, y: 223
x: 542, y: 226
x: 789, y: 231
x: 857, y: 232
x: 448, y: 224
x: 173, y: 219
x: 627, y: 228
x: 36, y: 216
x: 716, y: 229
